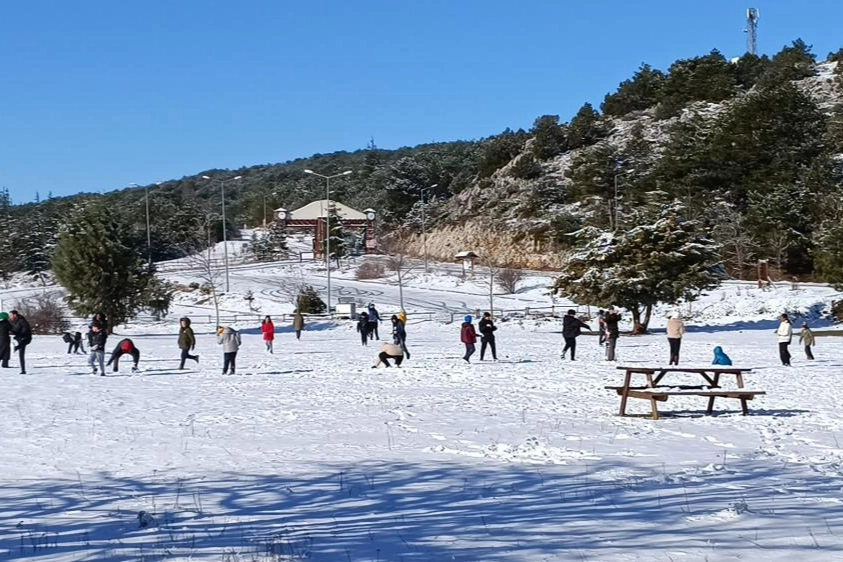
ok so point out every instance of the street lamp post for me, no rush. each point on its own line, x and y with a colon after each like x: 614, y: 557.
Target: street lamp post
x: 224, y: 233
x: 148, y: 231
x: 328, y: 225
x: 424, y: 229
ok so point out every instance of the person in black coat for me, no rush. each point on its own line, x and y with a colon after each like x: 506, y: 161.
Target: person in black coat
x: 23, y: 337
x: 399, y: 334
x: 571, y: 326
x: 612, y: 319
x: 96, y: 344
x: 74, y: 342
x: 487, y: 335
x: 5, y: 340
x: 363, y: 327
x: 124, y: 346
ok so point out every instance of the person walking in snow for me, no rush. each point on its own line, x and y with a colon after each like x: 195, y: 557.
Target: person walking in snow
x: 487, y: 335
x: 390, y: 351
x: 675, y: 331
x: 374, y: 320
x: 601, y: 325
x: 5, y: 340
x: 571, y: 329
x: 363, y: 327
x: 399, y: 334
x: 96, y: 345
x: 124, y: 347
x: 468, y: 336
x: 187, y: 342
x: 806, y: 338
x: 229, y: 339
x: 268, y: 331
x: 298, y: 323
x: 784, y: 334
x: 720, y: 357
x: 23, y: 337
x: 612, y: 320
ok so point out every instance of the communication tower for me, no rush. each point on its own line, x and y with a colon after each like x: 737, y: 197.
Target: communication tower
x: 752, y: 15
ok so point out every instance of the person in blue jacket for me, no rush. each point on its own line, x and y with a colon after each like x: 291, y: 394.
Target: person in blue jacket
x: 720, y: 357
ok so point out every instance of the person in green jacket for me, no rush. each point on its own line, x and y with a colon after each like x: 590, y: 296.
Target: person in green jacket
x: 806, y: 338
x: 187, y: 341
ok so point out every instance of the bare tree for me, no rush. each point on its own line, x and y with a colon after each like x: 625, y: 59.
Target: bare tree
x: 509, y: 278
x: 292, y: 286
x: 737, y: 244
x: 207, y: 269
x: 401, y: 266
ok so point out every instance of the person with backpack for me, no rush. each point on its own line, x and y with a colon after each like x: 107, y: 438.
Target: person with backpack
x: 124, y: 347
x: 96, y: 344
x: 23, y: 337
x: 389, y: 351
x: 468, y: 336
x: 374, y: 320
x: 363, y: 328
x: 806, y: 338
x: 675, y: 331
x: 784, y: 333
x: 187, y: 341
x: 229, y: 339
x: 571, y: 329
x: 612, y: 320
x: 298, y: 323
x: 268, y: 331
x: 5, y: 340
x: 74, y: 342
x: 487, y: 336
x: 399, y: 334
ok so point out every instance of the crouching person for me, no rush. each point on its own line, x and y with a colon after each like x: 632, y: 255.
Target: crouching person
x: 390, y: 351
x: 124, y: 346
x: 74, y: 342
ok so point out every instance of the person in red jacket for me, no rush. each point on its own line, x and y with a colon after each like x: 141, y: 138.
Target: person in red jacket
x: 268, y: 331
x: 469, y: 337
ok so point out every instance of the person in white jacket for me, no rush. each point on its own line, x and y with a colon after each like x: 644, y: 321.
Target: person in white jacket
x: 784, y: 333
x: 229, y: 339
x: 675, y: 331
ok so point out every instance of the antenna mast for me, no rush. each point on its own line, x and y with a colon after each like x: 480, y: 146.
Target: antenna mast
x: 752, y: 15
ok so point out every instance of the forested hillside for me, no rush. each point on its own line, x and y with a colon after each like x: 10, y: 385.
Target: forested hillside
x: 751, y: 148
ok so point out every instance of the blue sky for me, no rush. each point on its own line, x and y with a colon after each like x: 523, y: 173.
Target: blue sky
x: 96, y: 94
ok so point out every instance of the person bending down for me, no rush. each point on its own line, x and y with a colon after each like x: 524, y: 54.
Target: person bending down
x: 124, y: 346
x: 390, y: 351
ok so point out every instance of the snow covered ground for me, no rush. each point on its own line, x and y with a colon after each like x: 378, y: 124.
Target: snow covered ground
x: 309, y: 454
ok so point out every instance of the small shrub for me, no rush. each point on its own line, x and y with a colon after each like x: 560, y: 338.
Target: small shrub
x: 370, y: 270
x: 509, y: 279
x: 193, y: 286
x: 46, y: 313
x: 309, y: 301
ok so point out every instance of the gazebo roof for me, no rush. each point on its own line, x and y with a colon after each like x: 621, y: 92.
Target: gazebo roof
x: 316, y: 210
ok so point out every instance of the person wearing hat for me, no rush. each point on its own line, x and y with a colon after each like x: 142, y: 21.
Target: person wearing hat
x: 468, y: 336
x: 124, y: 346
x: 23, y: 337
x: 487, y: 335
x: 806, y: 338
x: 5, y: 339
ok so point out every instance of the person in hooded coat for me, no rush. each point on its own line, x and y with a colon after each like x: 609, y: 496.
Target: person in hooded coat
x: 487, y: 336
x: 720, y: 357
x: 784, y: 334
x: 374, y: 320
x: 675, y: 331
x: 124, y: 347
x: 229, y: 339
x: 23, y: 337
x: 806, y: 338
x: 399, y: 334
x: 571, y: 327
x: 187, y: 341
x: 363, y: 328
x: 468, y: 336
x: 5, y: 340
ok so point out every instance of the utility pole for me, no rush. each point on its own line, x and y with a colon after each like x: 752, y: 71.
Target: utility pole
x: 424, y: 229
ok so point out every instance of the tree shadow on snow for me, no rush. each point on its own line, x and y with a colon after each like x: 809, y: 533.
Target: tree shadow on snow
x: 486, y: 511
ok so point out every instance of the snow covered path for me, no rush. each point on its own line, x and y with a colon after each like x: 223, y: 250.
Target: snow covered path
x: 309, y: 454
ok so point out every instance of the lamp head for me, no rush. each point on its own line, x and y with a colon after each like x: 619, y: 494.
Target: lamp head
x: 237, y: 177
x: 309, y: 171
x: 347, y: 172
x: 205, y: 178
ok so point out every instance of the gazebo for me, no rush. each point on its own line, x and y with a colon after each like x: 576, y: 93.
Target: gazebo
x: 311, y: 218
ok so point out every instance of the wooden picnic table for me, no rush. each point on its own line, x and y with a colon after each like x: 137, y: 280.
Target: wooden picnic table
x: 656, y: 392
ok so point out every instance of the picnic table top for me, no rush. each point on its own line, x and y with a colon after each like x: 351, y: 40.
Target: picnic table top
x: 675, y: 369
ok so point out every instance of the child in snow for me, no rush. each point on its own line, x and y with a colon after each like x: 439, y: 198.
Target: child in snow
x: 363, y: 327
x: 96, y: 343
x: 187, y: 341
x: 806, y: 338
x: 73, y: 341
x: 229, y: 339
x: 268, y: 331
x: 720, y: 357
x: 124, y: 346
x: 468, y: 336
x: 389, y: 351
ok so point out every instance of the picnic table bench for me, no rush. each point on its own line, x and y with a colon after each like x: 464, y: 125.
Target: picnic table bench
x: 655, y: 392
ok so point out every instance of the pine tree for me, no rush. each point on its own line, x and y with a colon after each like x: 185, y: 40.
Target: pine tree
x: 661, y: 262
x: 640, y: 92
x: 338, y: 244
x: 585, y: 128
x: 549, y: 137
x: 96, y: 263
x: 793, y: 62
x: 9, y: 262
